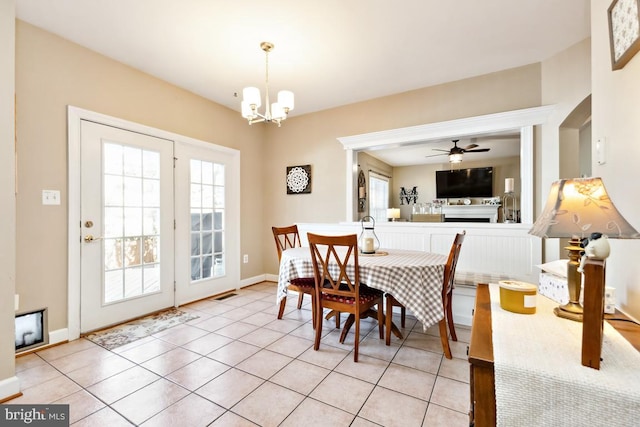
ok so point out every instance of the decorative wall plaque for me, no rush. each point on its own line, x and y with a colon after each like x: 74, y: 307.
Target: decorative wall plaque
x: 624, y: 31
x: 299, y: 179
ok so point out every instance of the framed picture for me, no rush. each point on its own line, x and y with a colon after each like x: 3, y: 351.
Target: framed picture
x: 624, y: 31
x: 299, y: 179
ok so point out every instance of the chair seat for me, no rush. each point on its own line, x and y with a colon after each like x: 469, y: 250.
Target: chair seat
x: 304, y: 282
x: 367, y: 295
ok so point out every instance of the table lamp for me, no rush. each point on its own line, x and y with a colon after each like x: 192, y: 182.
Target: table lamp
x: 576, y: 208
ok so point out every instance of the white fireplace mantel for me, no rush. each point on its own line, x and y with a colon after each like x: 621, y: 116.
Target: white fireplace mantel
x: 488, y: 213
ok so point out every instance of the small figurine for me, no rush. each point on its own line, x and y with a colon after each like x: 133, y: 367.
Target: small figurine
x: 596, y: 246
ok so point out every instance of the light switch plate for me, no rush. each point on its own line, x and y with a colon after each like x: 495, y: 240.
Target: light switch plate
x: 601, y: 150
x: 50, y: 197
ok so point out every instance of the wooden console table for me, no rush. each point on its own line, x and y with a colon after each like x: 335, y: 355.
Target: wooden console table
x: 482, y: 376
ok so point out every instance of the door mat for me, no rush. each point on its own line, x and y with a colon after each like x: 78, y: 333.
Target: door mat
x: 136, y: 329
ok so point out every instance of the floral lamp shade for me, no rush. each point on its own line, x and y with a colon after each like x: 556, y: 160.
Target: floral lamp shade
x: 579, y: 207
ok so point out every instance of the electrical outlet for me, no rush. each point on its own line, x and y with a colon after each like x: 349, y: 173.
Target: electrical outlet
x: 245, y: 258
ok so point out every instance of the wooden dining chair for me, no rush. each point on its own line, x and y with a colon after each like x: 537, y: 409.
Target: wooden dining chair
x: 337, y: 283
x: 447, y: 297
x: 288, y: 237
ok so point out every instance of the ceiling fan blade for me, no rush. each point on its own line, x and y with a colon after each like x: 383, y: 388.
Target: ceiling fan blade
x: 469, y: 147
x: 479, y: 150
x: 434, y: 155
x: 439, y: 149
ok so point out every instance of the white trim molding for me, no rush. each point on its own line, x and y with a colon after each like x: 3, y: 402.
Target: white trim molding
x: 523, y: 120
x: 9, y: 387
x: 74, y: 117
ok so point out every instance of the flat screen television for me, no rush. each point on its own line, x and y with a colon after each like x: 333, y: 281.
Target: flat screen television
x: 459, y: 183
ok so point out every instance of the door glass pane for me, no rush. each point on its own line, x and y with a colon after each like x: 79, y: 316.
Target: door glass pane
x: 207, y: 193
x: 151, y: 221
x: 207, y: 220
x: 113, y: 286
x: 131, y: 218
x: 113, y: 222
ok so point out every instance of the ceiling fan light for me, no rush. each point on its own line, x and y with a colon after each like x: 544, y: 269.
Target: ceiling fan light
x: 251, y: 95
x: 455, y: 158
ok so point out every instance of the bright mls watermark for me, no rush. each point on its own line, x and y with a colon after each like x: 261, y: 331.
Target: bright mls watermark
x: 34, y: 415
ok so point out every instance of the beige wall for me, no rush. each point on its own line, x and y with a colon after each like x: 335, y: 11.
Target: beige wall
x: 566, y: 82
x: 52, y: 73
x: 313, y: 139
x: 616, y: 109
x: 7, y: 194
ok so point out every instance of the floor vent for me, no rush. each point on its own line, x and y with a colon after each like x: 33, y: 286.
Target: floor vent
x: 220, y: 298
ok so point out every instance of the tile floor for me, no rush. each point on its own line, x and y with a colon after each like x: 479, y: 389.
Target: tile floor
x: 237, y: 365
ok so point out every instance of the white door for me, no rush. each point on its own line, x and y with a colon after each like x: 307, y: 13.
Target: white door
x: 207, y: 221
x: 126, y: 255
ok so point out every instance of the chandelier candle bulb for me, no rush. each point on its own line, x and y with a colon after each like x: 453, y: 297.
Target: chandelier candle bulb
x: 508, y: 185
x: 251, y: 95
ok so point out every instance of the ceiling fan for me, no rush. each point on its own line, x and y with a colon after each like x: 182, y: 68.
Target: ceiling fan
x: 455, y: 153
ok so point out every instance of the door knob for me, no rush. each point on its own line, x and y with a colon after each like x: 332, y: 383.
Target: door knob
x: 89, y: 238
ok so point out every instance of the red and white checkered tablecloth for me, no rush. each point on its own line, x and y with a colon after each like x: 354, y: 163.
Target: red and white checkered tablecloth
x: 413, y: 277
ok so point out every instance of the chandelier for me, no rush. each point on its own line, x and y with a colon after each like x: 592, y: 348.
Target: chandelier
x: 251, y: 101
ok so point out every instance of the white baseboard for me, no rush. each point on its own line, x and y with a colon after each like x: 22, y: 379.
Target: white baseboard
x: 271, y: 277
x: 9, y: 387
x: 253, y: 280
x: 58, y: 336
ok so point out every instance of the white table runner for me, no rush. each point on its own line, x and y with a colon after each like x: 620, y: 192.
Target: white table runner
x: 540, y: 380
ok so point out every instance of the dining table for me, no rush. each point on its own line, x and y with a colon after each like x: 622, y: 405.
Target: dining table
x: 414, y: 278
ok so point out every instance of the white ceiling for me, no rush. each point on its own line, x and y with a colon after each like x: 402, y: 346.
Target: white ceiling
x: 329, y: 53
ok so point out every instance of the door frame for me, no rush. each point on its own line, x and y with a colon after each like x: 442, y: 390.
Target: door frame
x: 74, y: 117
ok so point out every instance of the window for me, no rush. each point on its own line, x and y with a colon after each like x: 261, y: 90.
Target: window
x: 207, y: 220
x: 378, y: 196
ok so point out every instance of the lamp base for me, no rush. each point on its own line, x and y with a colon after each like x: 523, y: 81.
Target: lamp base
x: 571, y: 311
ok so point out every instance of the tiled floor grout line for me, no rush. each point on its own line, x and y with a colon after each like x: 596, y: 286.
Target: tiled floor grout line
x: 371, y: 329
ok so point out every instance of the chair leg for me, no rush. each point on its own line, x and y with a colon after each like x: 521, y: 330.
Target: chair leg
x: 403, y: 314
x: 283, y: 303
x: 444, y: 338
x: 381, y: 320
x: 357, y: 337
x: 313, y: 311
x: 318, y: 320
x: 452, y: 328
x: 300, y: 296
x: 387, y: 323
